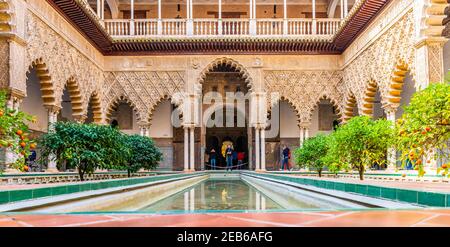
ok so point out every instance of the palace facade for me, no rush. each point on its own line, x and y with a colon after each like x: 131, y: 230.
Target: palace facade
x: 133, y: 63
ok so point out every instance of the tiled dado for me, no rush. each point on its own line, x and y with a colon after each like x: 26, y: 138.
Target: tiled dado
x: 46, y: 178
x: 29, y: 194
x: 402, y: 195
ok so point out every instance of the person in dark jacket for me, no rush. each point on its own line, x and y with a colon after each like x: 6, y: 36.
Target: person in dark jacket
x: 213, y: 159
x: 229, y: 157
x: 285, y: 161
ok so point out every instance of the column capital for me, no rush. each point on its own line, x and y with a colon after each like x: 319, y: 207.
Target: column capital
x: 53, y: 109
x: 391, y: 108
x: 304, y: 124
x: 189, y: 126
x: 16, y: 94
x: 143, y: 124
x: 80, y: 118
x: 428, y: 41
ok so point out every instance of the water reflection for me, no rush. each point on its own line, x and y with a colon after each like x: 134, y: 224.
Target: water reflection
x: 216, y: 194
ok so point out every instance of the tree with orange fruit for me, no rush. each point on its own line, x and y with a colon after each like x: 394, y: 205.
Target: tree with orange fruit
x: 425, y: 128
x: 14, y: 132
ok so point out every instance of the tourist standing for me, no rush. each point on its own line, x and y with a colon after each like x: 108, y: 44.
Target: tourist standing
x: 229, y: 157
x: 285, y: 161
x: 213, y: 159
x: 241, y: 157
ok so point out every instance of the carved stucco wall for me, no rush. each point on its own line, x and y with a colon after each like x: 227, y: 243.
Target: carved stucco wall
x: 304, y: 89
x: 4, y: 64
x: 377, y: 63
x: 63, y: 61
x: 143, y: 90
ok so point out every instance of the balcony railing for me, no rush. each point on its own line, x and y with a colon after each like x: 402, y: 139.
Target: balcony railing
x: 221, y: 27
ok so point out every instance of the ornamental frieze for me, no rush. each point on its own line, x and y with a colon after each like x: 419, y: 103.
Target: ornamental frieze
x: 304, y: 89
x: 377, y: 63
x: 144, y: 90
x: 63, y: 61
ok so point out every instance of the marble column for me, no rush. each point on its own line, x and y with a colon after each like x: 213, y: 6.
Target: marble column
x: 263, y: 149
x: 392, y: 152
x: 186, y: 149
x: 192, y: 149
x: 132, y: 29
x: 219, y: 21
x: 306, y: 133
x: 52, y: 119
x: 302, y: 136
x: 257, y: 150
x: 9, y: 155
x: 285, y: 18
x: 159, y: 27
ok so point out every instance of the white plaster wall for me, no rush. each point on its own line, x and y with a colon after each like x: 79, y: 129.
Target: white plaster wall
x: 288, y: 121
x: 33, y: 103
x: 66, y: 107
x: 314, y: 128
x: 378, y: 111
x: 447, y: 58
x: 135, y: 130
x: 407, y: 93
x: 161, y: 125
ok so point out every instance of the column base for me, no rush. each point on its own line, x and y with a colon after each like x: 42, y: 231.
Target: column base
x: 192, y: 170
x: 260, y: 170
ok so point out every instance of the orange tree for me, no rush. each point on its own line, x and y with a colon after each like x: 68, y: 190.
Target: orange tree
x: 143, y: 153
x: 14, y: 132
x: 361, y: 143
x: 425, y: 127
x: 312, y: 153
x: 85, y: 147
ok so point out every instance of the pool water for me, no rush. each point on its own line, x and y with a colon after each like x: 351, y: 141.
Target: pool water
x: 216, y: 194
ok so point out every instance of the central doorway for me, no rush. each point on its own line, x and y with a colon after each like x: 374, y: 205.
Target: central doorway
x: 231, y: 125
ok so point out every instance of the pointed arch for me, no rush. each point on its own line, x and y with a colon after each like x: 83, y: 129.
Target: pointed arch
x: 153, y: 107
x: 75, y: 97
x: 228, y: 62
x: 46, y: 83
x: 96, y: 107
x: 112, y: 106
x: 369, y: 98
x: 349, y: 107
x: 291, y: 104
x: 333, y: 103
x: 397, y: 80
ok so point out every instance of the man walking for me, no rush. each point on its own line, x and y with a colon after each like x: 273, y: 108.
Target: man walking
x: 285, y: 161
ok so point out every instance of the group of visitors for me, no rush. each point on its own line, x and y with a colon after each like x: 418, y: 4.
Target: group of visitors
x: 231, y: 157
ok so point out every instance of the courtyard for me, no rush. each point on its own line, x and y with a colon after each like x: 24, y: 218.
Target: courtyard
x: 296, y: 113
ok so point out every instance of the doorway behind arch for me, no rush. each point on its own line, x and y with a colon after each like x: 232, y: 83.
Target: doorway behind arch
x: 215, y: 130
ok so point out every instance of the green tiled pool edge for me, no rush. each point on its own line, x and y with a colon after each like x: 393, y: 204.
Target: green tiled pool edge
x: 425, y: 198
x: 10, y: 196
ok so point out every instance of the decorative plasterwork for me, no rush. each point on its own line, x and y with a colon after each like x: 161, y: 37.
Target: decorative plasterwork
x: 304, y: 89
x: 48, y: 52
x: 6, y: 16
x: 431, y: 14
x: 379, y: 62
x: 144, y: 90
x: 233, y: 64
x: 4, y: 64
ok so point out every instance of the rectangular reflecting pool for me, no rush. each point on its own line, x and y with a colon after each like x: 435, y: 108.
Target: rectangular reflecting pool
x: 206, y: 193
x: 237, y: 194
